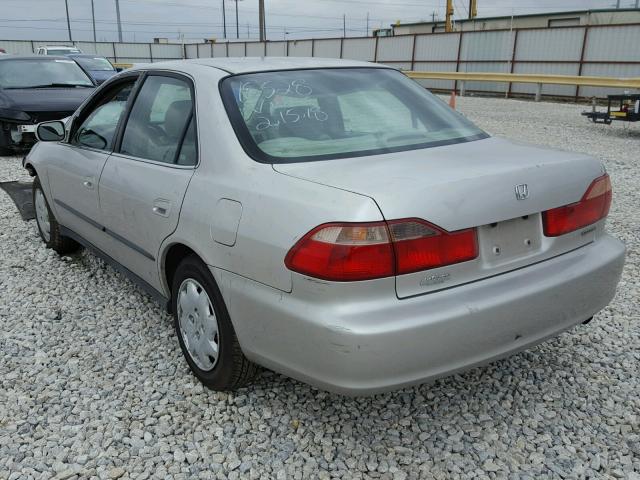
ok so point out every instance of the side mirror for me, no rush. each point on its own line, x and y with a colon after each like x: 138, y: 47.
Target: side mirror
x: 50, y: 131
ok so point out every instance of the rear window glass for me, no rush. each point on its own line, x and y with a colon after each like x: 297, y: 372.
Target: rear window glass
x: 305, y: 115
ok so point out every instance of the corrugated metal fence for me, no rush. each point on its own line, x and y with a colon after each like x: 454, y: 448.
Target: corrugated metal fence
x: 582, y: 50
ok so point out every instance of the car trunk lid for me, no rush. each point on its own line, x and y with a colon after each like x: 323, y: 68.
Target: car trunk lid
x: 478, y: 184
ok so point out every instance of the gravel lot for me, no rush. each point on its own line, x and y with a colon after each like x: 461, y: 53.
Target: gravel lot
x: 93, y: 383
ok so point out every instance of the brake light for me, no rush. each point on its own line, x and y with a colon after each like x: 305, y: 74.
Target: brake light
x: 419, y: 245
x: 364, y: 251
x: 593, y: 206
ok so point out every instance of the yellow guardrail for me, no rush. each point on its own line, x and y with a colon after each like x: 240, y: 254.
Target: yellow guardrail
x: 539, y: 80
x: 124, y: 66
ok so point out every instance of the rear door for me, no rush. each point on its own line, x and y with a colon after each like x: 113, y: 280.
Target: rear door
x: 74, y: 168
x: 144, y: 182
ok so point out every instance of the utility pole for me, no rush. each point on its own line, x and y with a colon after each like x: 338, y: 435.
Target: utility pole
x: 367, y: 24
x: 448, y: 26
x: 66, y: 6
x: 618, y: 4
x: 473, y: 9
x: 237, y: 28
x: 119, y: 22
x: 344, y: 24
x: 261, y: 14
x: 93, y: 20
x: 224, y: 21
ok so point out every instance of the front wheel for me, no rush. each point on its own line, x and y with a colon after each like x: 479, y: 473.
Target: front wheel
x: 48, y: 227
x: 203, y: 326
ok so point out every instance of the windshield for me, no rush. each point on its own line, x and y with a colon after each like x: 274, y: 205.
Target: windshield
x: 95, y: 63
x: 37, y: 73
x: 62, y: 51
x: 305, y: 115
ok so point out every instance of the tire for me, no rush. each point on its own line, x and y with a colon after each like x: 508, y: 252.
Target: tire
x: 197, y: 304
x: 48, y: 227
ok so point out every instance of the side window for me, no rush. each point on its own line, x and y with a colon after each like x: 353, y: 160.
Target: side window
x: 99, y: 127
x: 161, y: 121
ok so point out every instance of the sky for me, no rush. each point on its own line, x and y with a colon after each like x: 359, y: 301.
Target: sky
x: 194, y: 20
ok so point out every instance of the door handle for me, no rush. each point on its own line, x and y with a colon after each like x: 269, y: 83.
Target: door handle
x: 160, y: 211
x: 88, y: 183
x: 161, y: 207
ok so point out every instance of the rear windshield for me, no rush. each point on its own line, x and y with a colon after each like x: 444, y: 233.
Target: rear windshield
x: 305, y: 115
x: 95, y: 64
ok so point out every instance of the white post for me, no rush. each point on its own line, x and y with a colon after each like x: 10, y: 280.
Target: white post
x: 462, y: 88
x: 538, y: 92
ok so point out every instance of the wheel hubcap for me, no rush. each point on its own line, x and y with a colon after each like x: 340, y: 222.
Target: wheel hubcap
x: 198, y: 324
x: 42, y: 215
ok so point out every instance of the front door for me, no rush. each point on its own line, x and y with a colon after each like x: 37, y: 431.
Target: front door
x: 144, y: 182
x: 75, y: 167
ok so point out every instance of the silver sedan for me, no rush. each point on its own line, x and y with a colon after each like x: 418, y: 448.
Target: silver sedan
x: 331, y: 220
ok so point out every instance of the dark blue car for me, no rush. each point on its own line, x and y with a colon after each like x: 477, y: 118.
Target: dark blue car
x: 98, y: 68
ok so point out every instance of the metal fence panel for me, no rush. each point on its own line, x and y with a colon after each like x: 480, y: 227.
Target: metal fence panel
x: 300, y: 48
x: 219, y: 50
x: 327, y: 48
x: 436, y: 67
x: 437, y: 47
x: 607, y: 70
x: 204, y: 50
x: 546, y: 69
x: 16, y: 47
x: 255, y: 49
x: 613, y: 44
x: 90, y: 48
x: 277, y: 49
x: 359, y: 49
x: 395, y: 48
x: 237, y: 50
x: 399, y: 65
x: 487, y: 45
x: 498, y: 67
x: 139, y: 51
x: 166, y: 51
x: 105, y: 49
x: 550, y: 44
x: 191, y: 51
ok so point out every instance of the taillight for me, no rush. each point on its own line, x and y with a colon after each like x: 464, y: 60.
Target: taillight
x: 419, y: 245
x: 343, y: 252
x: 364, y: 251
x: 593, y: 206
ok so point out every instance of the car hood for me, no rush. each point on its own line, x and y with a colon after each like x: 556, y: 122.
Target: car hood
x: 44, y: 99
x: 459, y: 186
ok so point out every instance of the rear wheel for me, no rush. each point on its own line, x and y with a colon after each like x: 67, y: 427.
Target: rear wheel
x: 48, y: 227
x: 206, y: 335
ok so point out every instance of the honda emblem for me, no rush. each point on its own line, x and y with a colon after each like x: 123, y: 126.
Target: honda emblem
x: 522, y: 191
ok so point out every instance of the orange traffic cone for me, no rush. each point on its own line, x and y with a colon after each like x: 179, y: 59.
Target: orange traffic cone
x: 452, y: 100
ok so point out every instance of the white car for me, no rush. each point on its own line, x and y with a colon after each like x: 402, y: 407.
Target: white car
x: 59, y: 50
x: 328, y: 219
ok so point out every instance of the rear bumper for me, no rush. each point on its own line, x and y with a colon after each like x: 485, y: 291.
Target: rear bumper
x: 369, y: 345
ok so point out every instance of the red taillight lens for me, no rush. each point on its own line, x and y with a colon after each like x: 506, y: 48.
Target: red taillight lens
x: 419, y: 245
x: 364, y: 251
x: 344, y: 252
x: 593, y: 206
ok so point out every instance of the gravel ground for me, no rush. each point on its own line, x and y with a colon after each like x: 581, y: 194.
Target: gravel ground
x: 93, y: 383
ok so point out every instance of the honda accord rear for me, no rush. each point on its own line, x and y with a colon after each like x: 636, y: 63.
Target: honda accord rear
x: 479, y: 247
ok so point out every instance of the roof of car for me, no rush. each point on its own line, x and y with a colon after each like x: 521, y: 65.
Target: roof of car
x: 59, y: 47
x: 260, y: 64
